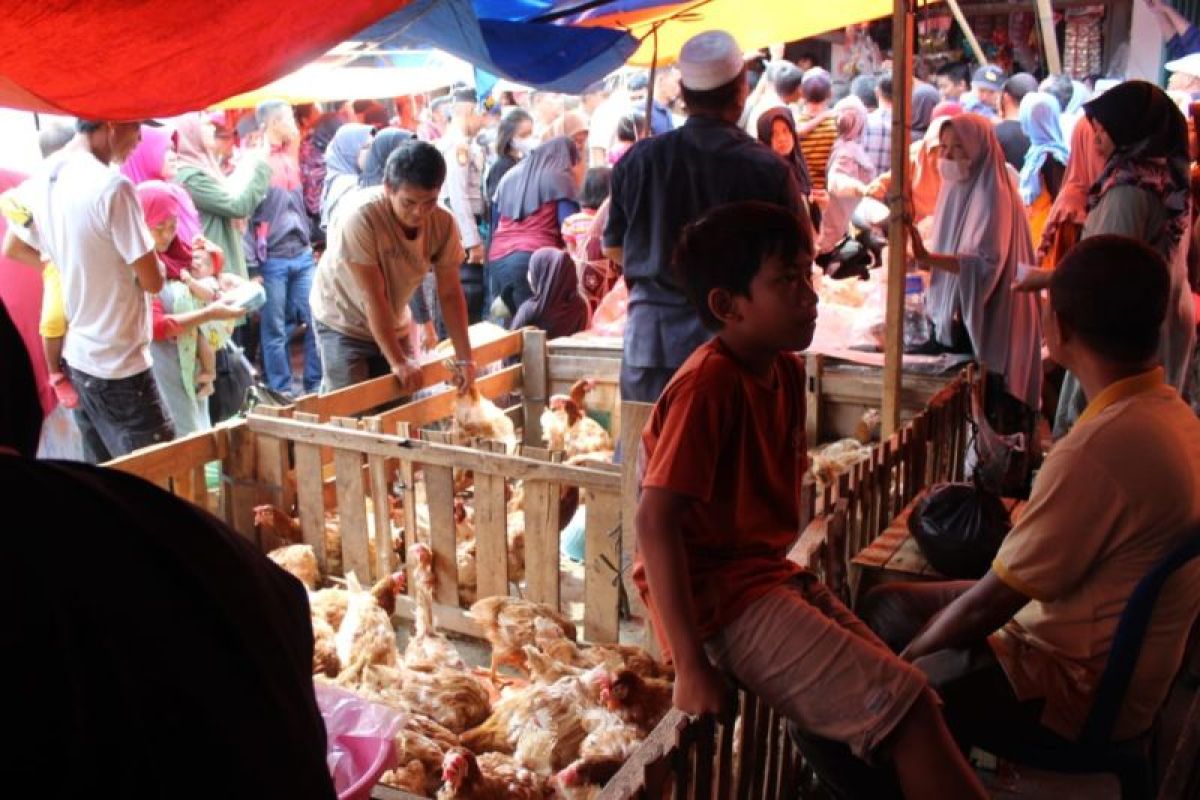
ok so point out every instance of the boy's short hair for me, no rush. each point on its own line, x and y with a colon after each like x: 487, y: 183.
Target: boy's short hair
x: 415, y: 163
x: 1112, y: 292
x: 597, y: 184
x: 728, y: 246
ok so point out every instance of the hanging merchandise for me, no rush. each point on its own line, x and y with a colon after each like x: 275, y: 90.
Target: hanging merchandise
x: 1083, y: 51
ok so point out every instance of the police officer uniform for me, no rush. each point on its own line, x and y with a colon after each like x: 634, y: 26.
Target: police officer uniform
x: 462, y: 196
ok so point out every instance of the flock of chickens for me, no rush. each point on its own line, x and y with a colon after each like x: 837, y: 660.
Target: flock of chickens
x: 561, y: 729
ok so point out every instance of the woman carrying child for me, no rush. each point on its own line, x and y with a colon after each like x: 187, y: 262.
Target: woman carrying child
x: 185, y: 325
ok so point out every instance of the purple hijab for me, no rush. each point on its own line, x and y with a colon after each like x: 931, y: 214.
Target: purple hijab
x: 556, y: 307
x: 146, y: 163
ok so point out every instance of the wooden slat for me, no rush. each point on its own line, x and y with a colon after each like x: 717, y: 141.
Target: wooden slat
x: 200, y: 486
x: 371, y: 394
x: 762, y: 724
x: 491, y: 532
x: 272, y: 465
x: 568, y: 369
x: 705, y: 765
x: 535, y: 383
x: 602, y: 567
x: 633, y: 421
x: 408, y: 496
x: 447, y: 618
x: 814, y: 367
x: 239, y: 495
x: 181, y: 485
x: 630, y: 780
x: 310, y: 496
x: 352, y: 507
x: 385, y: 555
x: 514, y: 467
x: 725, y: 761
x: 542, y: 582
x: 170, y: 458
x: 746, y: 746
x: 440, y: 406
x: 439, y: 489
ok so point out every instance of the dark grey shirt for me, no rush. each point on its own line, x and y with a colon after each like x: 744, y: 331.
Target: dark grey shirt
x: 662, y: 184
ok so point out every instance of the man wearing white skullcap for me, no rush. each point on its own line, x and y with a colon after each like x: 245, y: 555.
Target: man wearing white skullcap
x: 667, y: 181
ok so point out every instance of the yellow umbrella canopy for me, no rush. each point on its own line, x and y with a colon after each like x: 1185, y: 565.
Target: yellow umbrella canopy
x: 753, y: 23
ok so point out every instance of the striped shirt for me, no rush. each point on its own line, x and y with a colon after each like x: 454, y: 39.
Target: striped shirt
x: 816, y: 147
x: 877, y: 139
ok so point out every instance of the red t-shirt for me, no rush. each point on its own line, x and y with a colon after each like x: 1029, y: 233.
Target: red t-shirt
x: 733, y: 443
x: 540, y: 229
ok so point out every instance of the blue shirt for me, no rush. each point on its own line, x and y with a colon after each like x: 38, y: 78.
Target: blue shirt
x: 662, y: 184
x: 660, y: 119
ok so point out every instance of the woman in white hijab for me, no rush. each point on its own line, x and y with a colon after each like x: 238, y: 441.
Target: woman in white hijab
x: 980, y: 235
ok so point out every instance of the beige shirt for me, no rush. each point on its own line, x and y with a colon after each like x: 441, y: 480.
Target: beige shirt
x: 366, y: 231
x: 1114, y: 497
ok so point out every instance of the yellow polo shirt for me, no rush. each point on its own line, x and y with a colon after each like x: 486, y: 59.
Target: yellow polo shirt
x: 1113, y: 498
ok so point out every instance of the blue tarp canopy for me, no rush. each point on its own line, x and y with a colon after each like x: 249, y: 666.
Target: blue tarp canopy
x: 501, y: 38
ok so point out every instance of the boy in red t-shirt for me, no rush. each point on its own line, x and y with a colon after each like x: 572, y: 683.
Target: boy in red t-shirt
x: 725, y: 455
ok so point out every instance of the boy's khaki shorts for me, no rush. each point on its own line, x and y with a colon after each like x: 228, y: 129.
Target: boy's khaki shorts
x: 808, y: 657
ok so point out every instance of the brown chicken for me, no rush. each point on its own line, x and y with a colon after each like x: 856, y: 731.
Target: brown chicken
x: 509, y: 624
x: 567, y: 427
x: 642, y: 702
x: 330, y: 605
x: 466, y: 558
x: 477, y: 417
x: 489, y: 777
x: 325, y: 657
x: 428, y: 649
x: 411, y: 778
x: 613, y: 657
x: 609, y: 743
x: 300, y: 561
x: 455, y: 700
x: 421, y: 739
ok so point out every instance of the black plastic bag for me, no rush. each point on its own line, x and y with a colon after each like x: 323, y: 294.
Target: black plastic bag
x: 959, y: 527
x: 235, y: 376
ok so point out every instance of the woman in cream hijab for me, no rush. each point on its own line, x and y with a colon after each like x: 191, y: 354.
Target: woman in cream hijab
x: 980, y: 235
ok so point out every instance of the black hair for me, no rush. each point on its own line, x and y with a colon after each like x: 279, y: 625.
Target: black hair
x: 508, y: 130
x: 1112, y: 292
x: 20, y: 409
x: 714, y: 101
x: 884, y: 86
x: 415, y: 163
x: 597, y: 183
x: 788, y: 81
x: 631, y: 127
x: 728, y: 246
x: 809, y: 56
x: 956, y: 71
x: 88, y: 125
x: 1022, y: 84
x: 817, y: 89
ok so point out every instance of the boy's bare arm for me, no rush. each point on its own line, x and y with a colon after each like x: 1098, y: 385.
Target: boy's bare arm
x: 699, y: 688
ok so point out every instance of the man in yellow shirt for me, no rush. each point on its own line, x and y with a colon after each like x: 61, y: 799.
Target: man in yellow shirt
x: 1021, y: 651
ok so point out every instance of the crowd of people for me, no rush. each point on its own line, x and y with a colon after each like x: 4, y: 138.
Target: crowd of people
x: 1053, y: 220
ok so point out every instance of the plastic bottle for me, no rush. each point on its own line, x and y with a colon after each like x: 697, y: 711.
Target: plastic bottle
x: 916, y: 323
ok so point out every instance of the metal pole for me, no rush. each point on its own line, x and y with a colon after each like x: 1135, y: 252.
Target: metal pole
x: 966, y: 29
x: 893, y: 350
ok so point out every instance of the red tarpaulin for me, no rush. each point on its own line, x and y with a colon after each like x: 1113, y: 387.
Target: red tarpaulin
x: 132, y: 59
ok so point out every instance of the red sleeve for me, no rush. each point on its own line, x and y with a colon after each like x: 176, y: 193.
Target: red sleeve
x: 163, y: 327
x: 686, y: 433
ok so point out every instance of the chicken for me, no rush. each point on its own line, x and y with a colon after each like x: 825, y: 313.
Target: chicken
x: 466, y: 555
x: 509, y: 624
x: 541, y: 724
x: 869, y: 426
x: 488, y: 777
x: 366, y: 634
x: 608, y: 736
x: 613, y: 657
x: 642, y: 702
x: 428, y: 649
x: 421, y: 739
x: 330, y: 605
x: 300, y: 561
x: 567, y: 427
x: 455, y: 700
x: 277, y: 528
x: 831, y: 461
x: 325, y: 657
x: 410, y: 778
x: 544, y: 669
x: 477, y: 417
x: 586, y: 774
x: 376, y: 683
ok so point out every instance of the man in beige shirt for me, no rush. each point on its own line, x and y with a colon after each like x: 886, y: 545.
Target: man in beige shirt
x: 381, y: 245
x: 1021, y: 651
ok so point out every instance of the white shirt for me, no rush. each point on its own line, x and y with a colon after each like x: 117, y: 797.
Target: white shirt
x: 602, y: 127
x: 87, y: 220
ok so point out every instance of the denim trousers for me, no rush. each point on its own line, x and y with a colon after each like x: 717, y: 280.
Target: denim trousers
x: 116, y: 417
x: 288, y: 282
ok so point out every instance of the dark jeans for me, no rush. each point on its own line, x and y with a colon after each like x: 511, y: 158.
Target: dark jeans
x: 644, y: 384
x: 288, y: 282
x: 508, y: 279
x: 119, y: 416
x: 348, y: 360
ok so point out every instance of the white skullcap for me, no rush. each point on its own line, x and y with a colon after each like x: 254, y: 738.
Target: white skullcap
x: 1188, y: 65
x: 709, y: 60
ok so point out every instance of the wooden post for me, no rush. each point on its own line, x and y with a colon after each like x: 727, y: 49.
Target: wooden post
x: 1045, y: 18
x: 535, y: 384
x: 962, y: 23
x: 902, y: 38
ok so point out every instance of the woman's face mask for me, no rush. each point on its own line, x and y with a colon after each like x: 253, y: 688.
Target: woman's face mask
x: 951, y: 171
x: 525, y: 145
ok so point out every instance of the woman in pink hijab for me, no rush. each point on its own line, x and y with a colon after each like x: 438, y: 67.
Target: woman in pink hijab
x: 850, y: 170
x: 155, y: 159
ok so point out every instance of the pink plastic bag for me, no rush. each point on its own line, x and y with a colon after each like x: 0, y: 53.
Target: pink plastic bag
x: 361, y: 740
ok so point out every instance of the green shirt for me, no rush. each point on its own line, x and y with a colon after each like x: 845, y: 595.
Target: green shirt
x: 222, y: 200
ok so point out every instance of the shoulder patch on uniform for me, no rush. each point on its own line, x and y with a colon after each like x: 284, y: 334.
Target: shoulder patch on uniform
x: 463, y: 154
